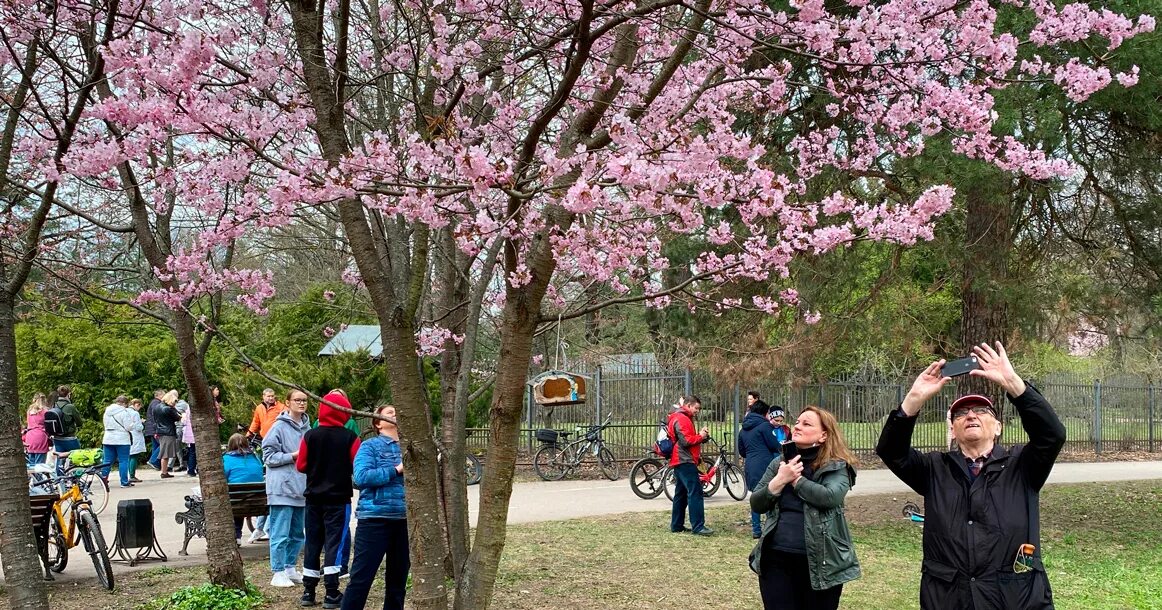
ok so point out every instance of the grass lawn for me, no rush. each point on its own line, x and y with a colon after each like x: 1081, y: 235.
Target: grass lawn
x: 1102, y: 548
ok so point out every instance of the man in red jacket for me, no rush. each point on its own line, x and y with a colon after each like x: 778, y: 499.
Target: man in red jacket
x: 684, y: 462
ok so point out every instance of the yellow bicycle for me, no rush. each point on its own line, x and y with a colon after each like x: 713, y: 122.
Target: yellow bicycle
x: 73, y: 521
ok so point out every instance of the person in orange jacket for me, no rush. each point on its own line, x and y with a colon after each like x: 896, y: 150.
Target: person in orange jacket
x: 265, y: 414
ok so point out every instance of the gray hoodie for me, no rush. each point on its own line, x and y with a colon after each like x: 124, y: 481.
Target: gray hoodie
x: 285, y: 485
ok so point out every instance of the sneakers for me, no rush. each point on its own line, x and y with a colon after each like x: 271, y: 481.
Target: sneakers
x: 703, y: 532
x: 256, y: 536
x: 295, y: 576
x: 308, y: 599
x: 281, y: 580
x: 333, y: 600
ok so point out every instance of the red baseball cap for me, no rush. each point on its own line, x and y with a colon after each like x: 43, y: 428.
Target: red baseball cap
x: 971, y: 400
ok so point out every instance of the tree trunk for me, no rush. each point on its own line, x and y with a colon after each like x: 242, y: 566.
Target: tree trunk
x: 421, y: 474
x: 454, y: 493
x: 224, y: 563
x: 22, y: 569
x: 988, y: 241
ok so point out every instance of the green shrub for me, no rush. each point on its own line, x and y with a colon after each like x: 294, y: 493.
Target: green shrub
x: 209, y: 597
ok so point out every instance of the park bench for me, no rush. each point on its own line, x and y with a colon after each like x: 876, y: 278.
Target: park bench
x: 246, y: 500
x: 41, y: 515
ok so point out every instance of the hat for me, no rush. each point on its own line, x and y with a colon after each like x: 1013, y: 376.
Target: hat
x: 971, y: 400
x: 776, y: 412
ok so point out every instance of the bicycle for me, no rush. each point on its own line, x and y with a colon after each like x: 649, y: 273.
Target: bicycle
x: 647, y: 476
x: 722, y: 472
x: 74, y: 522
x: 553, y: 461
x: 94, y: 487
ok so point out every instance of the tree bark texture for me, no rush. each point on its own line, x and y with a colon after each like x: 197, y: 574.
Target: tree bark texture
x: 224, y: 563
x: 988, y: 242
x: 22, y: 574
x: 452, y: 305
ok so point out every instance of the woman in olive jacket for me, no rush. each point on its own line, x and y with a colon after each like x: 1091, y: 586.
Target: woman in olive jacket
x: 805, y: 553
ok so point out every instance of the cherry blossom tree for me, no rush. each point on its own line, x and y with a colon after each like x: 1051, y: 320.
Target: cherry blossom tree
x: 577, y: 138
x: 46, y: 84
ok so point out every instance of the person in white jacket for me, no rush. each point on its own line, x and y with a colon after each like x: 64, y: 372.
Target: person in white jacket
x: 121, y: 423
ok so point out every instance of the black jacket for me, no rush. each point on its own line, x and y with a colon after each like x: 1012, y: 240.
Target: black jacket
x: 973, y: 529
x: 165, y: 419
x: 756, y: 443
x: 326, y: 456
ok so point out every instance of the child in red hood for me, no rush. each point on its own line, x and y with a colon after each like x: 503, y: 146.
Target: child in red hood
x: 328, y: 497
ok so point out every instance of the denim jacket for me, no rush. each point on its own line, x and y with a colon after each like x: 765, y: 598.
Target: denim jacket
x: 381, y: 493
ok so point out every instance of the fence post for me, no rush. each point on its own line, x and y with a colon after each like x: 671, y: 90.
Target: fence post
x: 822, y: 393
x: 734, y: 425
x: 1150, y: 416
x: 597, y: 387
x: 1097, y: 416
x: 688, y: 383
x: 530, y: 405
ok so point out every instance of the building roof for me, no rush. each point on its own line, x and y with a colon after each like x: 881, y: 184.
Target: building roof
x: 354, y: 338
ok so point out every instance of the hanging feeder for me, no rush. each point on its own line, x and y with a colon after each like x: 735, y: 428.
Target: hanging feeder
x: 553, y: 388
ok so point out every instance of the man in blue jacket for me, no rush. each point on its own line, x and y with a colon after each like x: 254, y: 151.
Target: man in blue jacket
x: 757, y: 444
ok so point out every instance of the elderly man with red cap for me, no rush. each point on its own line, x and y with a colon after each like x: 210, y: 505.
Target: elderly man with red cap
x: 981, y: 500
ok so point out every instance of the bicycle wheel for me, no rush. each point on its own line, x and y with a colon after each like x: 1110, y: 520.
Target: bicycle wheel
x: 645, y: 478
x: 549, y: 463
x: 669, y: 482
x: 709, y: 488
x: 96, y: 491
x: 609, y: 466
x: 473, y: 468
x: 58, y: 547
x: 734, y: 482
x: 95, y: 546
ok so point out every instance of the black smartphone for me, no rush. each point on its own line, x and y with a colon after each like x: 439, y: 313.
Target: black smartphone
x: 789, y: 451
x: 959, y: 367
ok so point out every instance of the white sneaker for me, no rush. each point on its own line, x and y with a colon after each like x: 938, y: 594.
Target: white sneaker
x: 256, y: 535
x: 295, y: 576
x: 281, y: 580
x: 262, y: 536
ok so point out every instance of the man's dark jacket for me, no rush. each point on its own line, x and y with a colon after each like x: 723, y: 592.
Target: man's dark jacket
x: 756, y: 443
x: 973, y: 529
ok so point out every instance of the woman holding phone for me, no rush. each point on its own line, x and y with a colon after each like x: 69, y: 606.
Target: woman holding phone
x: 805, y: 553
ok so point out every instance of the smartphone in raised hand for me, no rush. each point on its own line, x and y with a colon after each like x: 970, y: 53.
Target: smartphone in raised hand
x: 789, y: 450
x: 959, y: 367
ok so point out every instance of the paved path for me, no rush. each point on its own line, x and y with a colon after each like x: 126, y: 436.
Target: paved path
x: 531, y: 502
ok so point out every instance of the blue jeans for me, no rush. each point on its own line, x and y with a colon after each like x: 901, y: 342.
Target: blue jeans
x: 153, y: 456
x: 376, y: 540
x: 34, y: 458
x: 119, y: 454
x: 61, y: 445
x: 285, y: 528
x: 756, y: 524
x: 191, y: 460
x: 688, y: 491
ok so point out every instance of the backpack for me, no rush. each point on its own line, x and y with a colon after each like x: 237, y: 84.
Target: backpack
x: 664, y: 445
x: 54, y: 422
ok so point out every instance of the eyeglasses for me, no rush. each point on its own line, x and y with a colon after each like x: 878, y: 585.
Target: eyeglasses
x: 978, y: 409
x: 298, y: 400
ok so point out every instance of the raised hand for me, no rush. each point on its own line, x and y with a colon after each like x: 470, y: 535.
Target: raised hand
x: 995, y: 366
x: 788, y: 473
x: 926, y: 386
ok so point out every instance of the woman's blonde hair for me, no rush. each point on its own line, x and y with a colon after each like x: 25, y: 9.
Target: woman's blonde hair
x: 835, y: 447
x: 39, y: 403
x: 237, y: 442
x: 170, y: 397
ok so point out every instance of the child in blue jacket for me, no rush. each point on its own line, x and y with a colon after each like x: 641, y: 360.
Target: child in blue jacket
x: 241, y: 466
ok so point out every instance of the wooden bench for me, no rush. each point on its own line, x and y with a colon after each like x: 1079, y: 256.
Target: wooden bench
x: 41, y: 515
x: 246, y: 500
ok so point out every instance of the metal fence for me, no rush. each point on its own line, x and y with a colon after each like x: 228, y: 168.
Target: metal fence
x: 1115, y: 414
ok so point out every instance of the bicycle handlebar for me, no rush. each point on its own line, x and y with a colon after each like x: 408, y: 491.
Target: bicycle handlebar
x: 77, y: 473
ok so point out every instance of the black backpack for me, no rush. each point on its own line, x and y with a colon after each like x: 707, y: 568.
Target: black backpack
x: 54, y: 422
